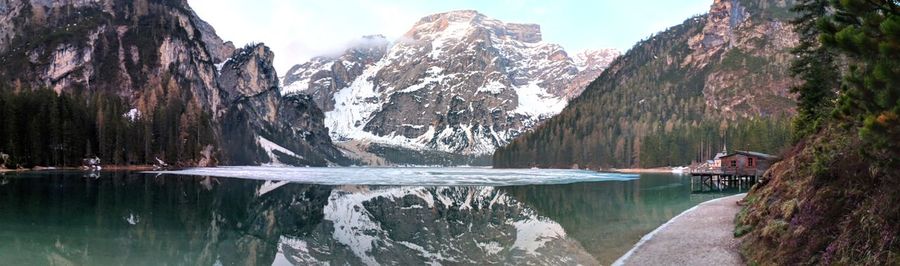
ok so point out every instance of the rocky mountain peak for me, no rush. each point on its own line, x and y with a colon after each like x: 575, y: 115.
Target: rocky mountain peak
x: 462, y: 23
x: 367, y: 49
x: 724, y: 17
x: 255, y: 72
x: 451, y: 16
x: 457, y: 82
x: 263, y: 127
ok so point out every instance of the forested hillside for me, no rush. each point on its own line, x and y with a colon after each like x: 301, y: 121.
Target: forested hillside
x: 677, y: 97
x: 832, y: 200
x: 128, y: 82
x: 42, y: 128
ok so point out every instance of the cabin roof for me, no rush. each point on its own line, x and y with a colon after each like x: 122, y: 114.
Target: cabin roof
x: 720, y: 155
x: 752, y: 154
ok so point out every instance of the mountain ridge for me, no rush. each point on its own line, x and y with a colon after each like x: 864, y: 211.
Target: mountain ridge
x: 457, y: 82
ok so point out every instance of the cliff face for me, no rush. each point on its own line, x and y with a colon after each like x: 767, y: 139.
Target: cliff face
x: 457, y: 82
x: 748, y: 56
x: 135, y: 49
x: 262, y: 127
x: 701, y: 79
x: 176, y: 77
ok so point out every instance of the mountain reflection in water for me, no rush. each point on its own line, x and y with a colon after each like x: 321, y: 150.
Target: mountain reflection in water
x: 141, y: 219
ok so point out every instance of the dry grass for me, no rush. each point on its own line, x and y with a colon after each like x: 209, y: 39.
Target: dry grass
x: 825, y: 203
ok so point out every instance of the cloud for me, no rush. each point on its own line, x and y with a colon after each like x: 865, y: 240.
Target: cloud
x: 299, y: 30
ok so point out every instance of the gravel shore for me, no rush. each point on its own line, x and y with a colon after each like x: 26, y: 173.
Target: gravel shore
x: 702, y: 235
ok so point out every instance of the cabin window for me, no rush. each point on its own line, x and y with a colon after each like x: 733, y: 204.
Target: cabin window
x: 733, y: 163
x: 750, y: 161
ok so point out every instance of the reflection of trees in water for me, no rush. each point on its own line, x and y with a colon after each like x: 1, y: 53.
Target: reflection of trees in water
x: 139, y: 219
x: 607, y: 218
x: 125, y: 219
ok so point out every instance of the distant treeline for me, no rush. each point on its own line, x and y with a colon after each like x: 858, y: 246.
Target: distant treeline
x: 43, y: 128
x: 686, y: 144
x: 678, y: 145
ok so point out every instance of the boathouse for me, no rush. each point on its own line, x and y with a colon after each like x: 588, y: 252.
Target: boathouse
x: 746, y: 163
x: 736, y: 169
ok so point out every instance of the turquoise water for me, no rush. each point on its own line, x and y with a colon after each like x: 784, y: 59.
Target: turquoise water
x: 146, y: 219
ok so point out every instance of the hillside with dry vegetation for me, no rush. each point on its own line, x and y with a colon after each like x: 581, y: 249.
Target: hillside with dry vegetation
x: 832, y: 200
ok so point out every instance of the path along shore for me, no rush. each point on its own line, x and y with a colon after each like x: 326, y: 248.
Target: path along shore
x: 702, y: 235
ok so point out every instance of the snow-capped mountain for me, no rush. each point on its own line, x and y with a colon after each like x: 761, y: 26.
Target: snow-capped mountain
x: 457, y: 82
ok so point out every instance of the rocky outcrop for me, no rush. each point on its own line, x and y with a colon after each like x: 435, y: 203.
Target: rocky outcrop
x: 456, y: 82
x: 264, y: 127
x: 219, y: 50
x: 248, y: 73
x: 748, y: 48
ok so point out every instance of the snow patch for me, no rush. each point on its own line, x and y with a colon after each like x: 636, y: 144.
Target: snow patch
x: 219, y: 66
x: 302, y: 83
x: 432, y: 77
x: 270, y: 148
x: 413, y: 126
x: 491, y: 248
x: 455, y: 31
x: 494, y: 87
x: 535, y: 101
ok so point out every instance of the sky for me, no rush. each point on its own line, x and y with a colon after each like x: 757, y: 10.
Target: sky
x: 297, y: 30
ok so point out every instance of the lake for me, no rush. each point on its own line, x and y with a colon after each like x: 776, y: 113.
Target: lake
x: 539, y: 217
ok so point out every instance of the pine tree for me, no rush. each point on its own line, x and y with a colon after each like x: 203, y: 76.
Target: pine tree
x: 868, y: 34
x: 815, y: 65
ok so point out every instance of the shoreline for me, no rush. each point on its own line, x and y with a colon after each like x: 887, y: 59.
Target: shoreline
x: 677, y: 241
x: 68, y: 168
x: 657, y: 170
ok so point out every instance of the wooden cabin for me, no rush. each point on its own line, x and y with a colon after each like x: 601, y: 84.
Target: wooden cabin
x: 739, y: 169
x: 746, y: 163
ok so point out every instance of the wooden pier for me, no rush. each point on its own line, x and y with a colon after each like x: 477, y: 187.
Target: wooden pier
x: 739, y: 170
x: 715, y: 181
